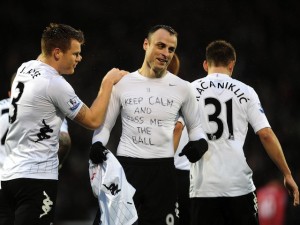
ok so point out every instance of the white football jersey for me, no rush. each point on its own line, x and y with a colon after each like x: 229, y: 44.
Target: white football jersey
x: 64, y: 126
x: 227, y: 106
x: 4, y: 124
x: 149, y: 110
x: 40, y: 100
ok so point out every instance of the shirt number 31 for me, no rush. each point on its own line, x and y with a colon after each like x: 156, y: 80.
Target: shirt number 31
x: 215, y: 118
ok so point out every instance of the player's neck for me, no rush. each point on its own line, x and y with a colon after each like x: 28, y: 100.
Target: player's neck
x: 49, y: 61
x: 150, y: 73
x: 219, y: 69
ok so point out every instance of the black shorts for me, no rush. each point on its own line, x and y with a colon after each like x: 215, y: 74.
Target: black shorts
x: 28, y: 201
x: 183, y: 184
x: 5, y: 210
x: 156, y: 193
x: 240, y: 210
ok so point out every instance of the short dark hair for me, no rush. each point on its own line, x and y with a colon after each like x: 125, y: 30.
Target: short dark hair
x: 59, y: 36
x: 161, y: 26
x: 220, y: 53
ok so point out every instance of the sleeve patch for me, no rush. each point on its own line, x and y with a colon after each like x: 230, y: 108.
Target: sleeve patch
x: 74, y: 103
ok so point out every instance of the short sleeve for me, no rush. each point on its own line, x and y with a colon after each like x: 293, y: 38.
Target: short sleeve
x: 256, y: 114
x: 63, y: 97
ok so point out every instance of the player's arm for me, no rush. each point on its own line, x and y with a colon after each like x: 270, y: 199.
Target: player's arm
x: 177, y: 133
x: 198, y: 145
x: 94, y: 116
x: 64, y: 147
x: 274, y: 150
x: 101, y: 135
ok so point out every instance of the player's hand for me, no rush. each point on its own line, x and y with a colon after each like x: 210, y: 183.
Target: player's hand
x: 194, y: 150
x: 115, y: 75
x: 98, y: 153
x: 292, y: 188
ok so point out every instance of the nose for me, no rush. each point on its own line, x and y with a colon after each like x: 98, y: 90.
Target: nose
x: 165, y: 52
x: 79, y: 58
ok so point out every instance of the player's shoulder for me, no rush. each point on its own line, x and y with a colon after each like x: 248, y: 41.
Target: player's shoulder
x: 130, y: 76
x: 36, y: 70
x: 198, y: 81
x: 57, y: 86
x: 58, y: 80
x: 239, y: 82
x: 33, y: 66
x: 183, y: 86
x: 126, y: 81
x: 242, y: 85
x: 177, y: 79
x: 30, y: 63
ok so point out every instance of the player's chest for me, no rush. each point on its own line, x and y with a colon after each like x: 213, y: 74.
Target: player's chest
x: 159, y: 102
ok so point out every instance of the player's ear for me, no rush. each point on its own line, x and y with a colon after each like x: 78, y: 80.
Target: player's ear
x: 56, y: 53
x: 145, y: 44
x: 231, y: 66
x: 205, y: 65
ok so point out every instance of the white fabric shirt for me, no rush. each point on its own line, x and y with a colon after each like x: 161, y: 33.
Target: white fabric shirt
x: 182, y: 162
x: 114, y: 192
x: 41, y: 99
x: 227, y: 106
x: 64, y: 126
x: 4, y: 124
x: 149, y: 109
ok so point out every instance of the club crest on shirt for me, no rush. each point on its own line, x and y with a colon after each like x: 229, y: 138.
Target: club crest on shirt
x: 73, y: 103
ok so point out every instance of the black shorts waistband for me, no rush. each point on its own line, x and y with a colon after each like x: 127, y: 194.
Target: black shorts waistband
x: 146, y: 162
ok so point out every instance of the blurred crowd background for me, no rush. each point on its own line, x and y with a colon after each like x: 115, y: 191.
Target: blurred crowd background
x: 263, y: 32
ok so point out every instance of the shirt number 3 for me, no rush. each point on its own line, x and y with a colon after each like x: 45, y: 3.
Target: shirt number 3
x: 13, y: 111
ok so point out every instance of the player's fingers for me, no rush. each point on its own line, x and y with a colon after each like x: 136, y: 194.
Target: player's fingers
x: 123, y: 72
x: 181, y: 153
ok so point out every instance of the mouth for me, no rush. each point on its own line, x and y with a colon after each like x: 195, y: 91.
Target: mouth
x: 162, y: 60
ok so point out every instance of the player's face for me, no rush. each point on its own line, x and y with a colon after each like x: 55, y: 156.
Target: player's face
x: 70, y: 58
x: 160, y: 49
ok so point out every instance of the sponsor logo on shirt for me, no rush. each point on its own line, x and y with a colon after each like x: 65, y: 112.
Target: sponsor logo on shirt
x: 261, y: 108
x: 73, y: 103
x: 113, y: 188
x: 44, y: 132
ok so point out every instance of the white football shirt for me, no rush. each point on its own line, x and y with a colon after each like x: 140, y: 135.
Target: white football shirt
x: 227, y: 106
x: 149, y: 109
x: 64, y: 126
x: 4, y: 124
x: 41, y: 99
